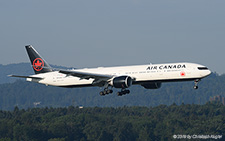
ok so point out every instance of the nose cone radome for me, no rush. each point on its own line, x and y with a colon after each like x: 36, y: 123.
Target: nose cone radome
x: 208, y: 72
x: 203, y: 70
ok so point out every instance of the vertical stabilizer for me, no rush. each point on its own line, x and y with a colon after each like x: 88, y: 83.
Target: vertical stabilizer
x: 38, y: 63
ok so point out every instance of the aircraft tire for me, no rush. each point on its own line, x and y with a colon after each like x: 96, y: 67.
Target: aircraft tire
x: 196, y: 87
x: 119, y: 94
x: 128, y: 91
x: 102, y: 93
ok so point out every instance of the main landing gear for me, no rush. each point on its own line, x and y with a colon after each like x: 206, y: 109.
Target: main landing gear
x: 196, y: 83
x: 109, y: 91
x: 123, y: 92
x: 106, y: 91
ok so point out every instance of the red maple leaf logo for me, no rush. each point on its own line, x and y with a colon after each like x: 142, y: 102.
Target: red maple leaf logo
x: 182, y: 73
x: 38, y: 64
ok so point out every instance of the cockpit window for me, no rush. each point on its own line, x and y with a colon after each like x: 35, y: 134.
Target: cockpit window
x: 202, y: 68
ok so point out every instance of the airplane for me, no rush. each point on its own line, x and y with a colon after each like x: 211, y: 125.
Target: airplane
x: 150, y: 76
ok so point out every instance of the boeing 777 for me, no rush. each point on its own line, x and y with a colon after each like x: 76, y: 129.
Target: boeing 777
x: 150, y: 76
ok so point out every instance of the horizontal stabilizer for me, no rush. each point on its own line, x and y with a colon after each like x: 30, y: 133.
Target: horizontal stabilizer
x: 25, y: 76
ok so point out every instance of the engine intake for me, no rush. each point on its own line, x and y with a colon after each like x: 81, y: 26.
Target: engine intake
x: 122, y: 82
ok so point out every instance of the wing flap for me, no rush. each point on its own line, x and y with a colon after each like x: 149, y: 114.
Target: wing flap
x: 86, y: 75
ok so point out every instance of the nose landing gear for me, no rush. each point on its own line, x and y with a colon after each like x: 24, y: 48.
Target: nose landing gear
x: 196, y: 83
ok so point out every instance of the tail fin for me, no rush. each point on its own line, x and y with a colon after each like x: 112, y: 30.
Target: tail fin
x: 38, y: 63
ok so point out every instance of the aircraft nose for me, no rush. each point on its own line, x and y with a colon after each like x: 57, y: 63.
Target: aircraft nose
x: 208, y: 72
x: 204, y: 71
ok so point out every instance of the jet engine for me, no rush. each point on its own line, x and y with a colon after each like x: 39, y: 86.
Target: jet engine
x: 152, y: 85
x: 121, y: 82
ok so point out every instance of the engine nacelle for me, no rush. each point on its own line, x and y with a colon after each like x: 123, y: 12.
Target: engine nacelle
x: 152, y: 85
x: 122, y: 82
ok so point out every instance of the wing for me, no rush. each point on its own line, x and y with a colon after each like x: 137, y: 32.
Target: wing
x: 99, y: 79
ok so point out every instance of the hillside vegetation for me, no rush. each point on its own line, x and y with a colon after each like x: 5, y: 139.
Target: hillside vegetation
x: 107, y: 124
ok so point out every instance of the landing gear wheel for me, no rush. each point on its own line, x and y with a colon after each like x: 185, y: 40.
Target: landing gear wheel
x: 123, y: 92
x: 196, y: 87
x: 102, y: 93
x: 109, y: 91
x: 119, y: 94
x: 128, y: 91
x: 105, y: 92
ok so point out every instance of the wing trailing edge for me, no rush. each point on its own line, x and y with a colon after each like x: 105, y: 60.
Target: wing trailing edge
x: 86, y: 75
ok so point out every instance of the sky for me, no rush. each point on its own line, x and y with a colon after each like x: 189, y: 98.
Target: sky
x: 101, y: 33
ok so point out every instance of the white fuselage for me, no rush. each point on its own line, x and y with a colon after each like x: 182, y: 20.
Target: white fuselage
x: 139, y: 74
